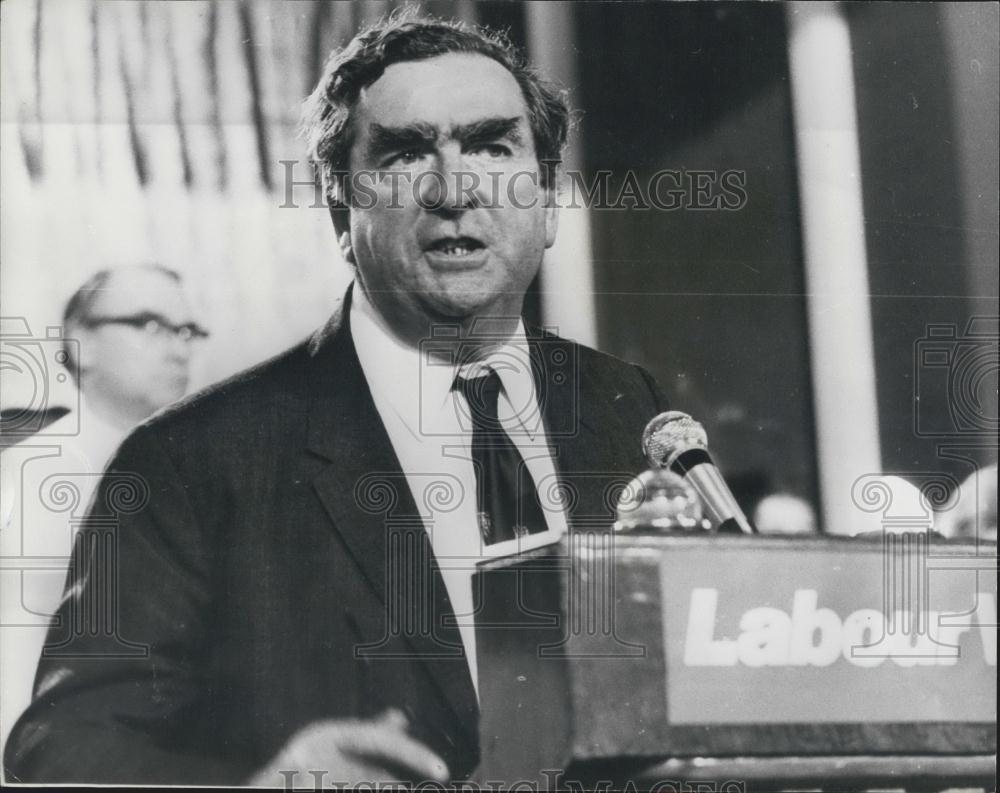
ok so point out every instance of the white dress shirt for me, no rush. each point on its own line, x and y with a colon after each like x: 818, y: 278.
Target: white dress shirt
x: 430, y: 428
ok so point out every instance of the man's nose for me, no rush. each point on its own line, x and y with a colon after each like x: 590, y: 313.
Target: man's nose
x: 452, y: 188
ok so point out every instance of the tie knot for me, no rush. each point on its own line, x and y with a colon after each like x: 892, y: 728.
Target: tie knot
x: 482, y: 394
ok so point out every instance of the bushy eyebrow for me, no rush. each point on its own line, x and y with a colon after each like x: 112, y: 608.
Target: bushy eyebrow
x: 488, y: 129
x: 384, y: 139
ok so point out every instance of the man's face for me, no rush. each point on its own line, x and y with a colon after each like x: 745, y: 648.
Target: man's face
x: 139, y: 368
x: 426, y: 250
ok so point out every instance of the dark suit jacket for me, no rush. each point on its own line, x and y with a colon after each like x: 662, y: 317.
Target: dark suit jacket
x: 267, y: 568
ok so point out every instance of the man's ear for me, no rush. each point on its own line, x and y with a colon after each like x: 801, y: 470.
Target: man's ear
x: 551, y: 216
x: 551, y: 177
x: 83, y: 351
x: 346, y: 249
x: 340, y: 214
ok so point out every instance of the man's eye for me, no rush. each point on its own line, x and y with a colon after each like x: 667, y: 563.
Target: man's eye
x: 407, y: 157
x: 495, y: 150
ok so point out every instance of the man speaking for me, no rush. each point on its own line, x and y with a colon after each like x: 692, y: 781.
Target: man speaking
x: 287, y: 586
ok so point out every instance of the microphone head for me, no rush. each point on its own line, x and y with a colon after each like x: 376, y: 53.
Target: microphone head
x: 669, y: 434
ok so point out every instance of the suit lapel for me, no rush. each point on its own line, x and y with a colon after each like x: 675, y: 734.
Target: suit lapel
x: 364, y: 490
x: 590, y: 444
x: 367, y: 497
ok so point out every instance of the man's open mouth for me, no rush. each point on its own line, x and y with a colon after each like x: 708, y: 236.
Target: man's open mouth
x: 456, y: 246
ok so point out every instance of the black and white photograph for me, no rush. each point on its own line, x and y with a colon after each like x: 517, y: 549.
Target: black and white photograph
x: 497, y: 395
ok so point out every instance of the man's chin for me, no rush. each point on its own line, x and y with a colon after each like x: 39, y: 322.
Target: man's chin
x: 465, y: 307
x: 171, y: 392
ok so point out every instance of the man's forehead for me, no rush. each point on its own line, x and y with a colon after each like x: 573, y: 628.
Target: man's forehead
x: 441, y: 92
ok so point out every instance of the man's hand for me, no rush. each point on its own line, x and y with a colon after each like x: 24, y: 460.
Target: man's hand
x: 352, y: 751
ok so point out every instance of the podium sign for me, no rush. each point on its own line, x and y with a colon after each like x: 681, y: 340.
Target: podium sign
x: 627, y: 650
x: 802, y: 635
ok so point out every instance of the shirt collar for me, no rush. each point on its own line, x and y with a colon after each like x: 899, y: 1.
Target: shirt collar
x: 398, y: 374
x: 511, y: 360
x: 406, y: 377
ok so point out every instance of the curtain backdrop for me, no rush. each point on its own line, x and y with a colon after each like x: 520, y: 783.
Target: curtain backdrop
x: 154, y: 131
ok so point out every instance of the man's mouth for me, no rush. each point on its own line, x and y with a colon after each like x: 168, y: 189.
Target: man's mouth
x: 456, y: 246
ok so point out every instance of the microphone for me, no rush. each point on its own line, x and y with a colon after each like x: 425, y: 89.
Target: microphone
x: 676, y: 441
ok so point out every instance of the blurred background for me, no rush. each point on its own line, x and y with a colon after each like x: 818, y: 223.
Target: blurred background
x: 820, y: 329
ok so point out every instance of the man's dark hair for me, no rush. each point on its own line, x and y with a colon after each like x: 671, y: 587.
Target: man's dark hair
x: 405, y: 37
x: 80, y: 306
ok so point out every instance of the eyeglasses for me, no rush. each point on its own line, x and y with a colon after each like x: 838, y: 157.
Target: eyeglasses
x: 154, y: 326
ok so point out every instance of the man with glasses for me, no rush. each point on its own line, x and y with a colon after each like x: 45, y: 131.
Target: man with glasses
x: 129, y: 333
x: 133, y: 329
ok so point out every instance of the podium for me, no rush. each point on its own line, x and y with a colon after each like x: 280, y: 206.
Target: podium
x: 669, y: 661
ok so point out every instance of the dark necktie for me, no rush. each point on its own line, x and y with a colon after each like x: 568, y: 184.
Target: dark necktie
x: 507, y: 500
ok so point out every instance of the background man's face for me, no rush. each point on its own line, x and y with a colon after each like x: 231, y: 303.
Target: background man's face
x: 142, y: 372
x: 476, y: 256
